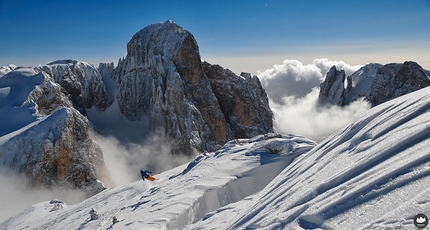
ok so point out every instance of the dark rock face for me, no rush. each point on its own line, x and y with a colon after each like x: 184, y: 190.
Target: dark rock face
x: 332, y: 89
x: 375, y: 83
x: 395, y: 80
x: 242, y: 100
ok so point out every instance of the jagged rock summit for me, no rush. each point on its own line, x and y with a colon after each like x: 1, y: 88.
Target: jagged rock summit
x: 162, y: 80
x: 374, y: 82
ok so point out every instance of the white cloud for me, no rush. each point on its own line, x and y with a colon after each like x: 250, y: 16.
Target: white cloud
x: 293, y: 90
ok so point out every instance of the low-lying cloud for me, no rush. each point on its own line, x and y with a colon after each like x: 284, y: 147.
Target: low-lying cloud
x: 302, y: 116
x: 293, y: 89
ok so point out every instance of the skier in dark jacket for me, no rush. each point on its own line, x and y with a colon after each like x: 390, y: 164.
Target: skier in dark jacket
x: 146, y: 175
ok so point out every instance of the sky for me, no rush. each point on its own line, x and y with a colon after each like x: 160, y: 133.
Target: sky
x: 249, y: 36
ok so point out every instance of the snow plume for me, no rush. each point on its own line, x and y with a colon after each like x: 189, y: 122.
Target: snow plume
x: 16, y: 195
x: 293, y: 90
x: 124, y: 160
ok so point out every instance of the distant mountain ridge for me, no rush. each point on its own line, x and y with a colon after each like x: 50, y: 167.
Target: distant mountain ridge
x: 374, y: 82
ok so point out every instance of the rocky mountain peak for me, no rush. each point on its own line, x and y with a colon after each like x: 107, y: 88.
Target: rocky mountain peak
x: 161, y: 80
x: 242, y: 100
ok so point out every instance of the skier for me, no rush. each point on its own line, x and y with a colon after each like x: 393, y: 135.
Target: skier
x: 146, y: 175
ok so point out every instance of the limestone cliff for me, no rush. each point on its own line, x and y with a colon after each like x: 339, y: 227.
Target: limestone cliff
x: 242, y: 100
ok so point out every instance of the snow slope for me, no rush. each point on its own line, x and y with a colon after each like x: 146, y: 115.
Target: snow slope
x: 373, y: 174
x: 179, y: 196
x: 15, y: 111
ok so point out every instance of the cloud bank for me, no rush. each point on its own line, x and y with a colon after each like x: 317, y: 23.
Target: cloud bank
x: 293, y: 78
x: 293, y: 89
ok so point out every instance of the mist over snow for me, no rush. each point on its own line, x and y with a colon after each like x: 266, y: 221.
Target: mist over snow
x: 128, y: 146
x: 124, y: 160
x: 293, y: 89
x: 16, y: 195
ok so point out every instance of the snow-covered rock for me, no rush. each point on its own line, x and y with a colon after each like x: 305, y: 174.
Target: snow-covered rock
x: 48, y: 142
x: 6, y: 69
x: 375, y: 83
x: 360, y: 82
x: 81, y: 81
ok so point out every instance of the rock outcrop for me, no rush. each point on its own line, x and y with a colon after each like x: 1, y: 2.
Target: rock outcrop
x: 162, y: 80
x: 332, y: 90
x: 375, y: 83
x: 395, y: 80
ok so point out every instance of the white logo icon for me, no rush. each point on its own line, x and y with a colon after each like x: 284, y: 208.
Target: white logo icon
x: 421, y: 220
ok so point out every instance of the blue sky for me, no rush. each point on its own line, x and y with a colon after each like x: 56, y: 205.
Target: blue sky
x: 241, y: 35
